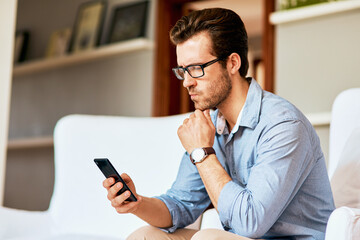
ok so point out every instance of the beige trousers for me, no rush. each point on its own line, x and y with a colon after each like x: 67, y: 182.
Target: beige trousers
x: 153, y: 233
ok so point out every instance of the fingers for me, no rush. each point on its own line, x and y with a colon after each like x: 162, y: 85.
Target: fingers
x: 112, y: 191
x: 193, y: 116
x: 128, y: 207
x: 119, y: 200
x: 186, y: 120
x: 198, y: 114
x: 107, y: 183
x: 207, y: 115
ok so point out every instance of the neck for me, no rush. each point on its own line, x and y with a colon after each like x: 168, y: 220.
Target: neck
x: 231, y: 107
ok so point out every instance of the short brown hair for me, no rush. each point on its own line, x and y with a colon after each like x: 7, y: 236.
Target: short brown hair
x: 226, y: 30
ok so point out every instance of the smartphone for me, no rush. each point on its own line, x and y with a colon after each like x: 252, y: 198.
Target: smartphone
x: 108, y: 170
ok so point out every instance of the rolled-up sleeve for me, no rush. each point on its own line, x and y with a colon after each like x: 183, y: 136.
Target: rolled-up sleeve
x: 187, y: 198
x: 283, y: 161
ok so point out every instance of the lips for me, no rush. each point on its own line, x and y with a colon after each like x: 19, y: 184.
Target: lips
x: 193, y: 95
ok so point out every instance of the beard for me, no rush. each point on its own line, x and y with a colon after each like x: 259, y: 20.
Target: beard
x: 216, y: 94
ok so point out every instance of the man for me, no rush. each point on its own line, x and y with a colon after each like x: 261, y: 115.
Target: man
x: 257, y: 159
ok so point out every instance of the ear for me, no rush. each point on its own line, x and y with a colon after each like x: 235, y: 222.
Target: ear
x: 234, y: 63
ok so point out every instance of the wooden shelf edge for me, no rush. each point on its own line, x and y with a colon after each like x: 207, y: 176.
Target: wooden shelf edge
x: 311, y: 11
x: 26, y: 143
x: 86, y: 56
x: 319, y: 119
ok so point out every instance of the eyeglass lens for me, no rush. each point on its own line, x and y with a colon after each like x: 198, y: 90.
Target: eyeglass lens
x: 194, y: 71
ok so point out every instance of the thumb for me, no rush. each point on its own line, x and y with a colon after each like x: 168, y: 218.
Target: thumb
x: 126, y: 178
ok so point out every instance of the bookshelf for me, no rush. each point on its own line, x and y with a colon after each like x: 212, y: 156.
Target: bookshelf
x: 43, y: 65
x: 26, y: 143
x: 102, y: 52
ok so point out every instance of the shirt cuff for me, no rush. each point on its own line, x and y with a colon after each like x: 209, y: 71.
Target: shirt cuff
x: 226, y: 202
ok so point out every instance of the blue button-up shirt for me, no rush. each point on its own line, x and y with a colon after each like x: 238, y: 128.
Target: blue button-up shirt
x: 279, y: 188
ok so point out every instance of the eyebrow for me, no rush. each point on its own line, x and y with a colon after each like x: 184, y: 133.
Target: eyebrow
x: 193, y: 64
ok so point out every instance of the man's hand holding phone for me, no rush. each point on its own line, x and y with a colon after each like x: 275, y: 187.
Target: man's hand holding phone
x: 123, y: 197
x: 121, y: 189
x: 119, y: 202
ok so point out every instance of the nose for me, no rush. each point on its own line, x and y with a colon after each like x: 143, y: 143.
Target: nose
x: 188, y: 81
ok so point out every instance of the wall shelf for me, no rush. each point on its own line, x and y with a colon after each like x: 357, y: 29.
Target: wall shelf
x: 319, y: 119
x: 27, y: 143
x: 312, y: 11
x: 102, y: 52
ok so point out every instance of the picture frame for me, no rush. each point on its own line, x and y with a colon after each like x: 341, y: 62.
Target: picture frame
x: 128, y: 22
x: 88, y: 26
x: 20, y: 46
x: 110, y: 6
x: 58, y: 43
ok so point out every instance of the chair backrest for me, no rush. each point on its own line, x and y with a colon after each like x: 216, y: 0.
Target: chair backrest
x: 148, y: 149
x: 345, y: 118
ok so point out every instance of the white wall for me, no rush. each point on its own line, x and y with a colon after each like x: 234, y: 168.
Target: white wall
x: 316, y: 59
x: 7, y: 26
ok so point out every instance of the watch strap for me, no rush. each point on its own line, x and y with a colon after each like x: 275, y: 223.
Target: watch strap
x: 209, y: 150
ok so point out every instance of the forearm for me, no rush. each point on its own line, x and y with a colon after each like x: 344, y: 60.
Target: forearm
x: 213, y: 176
x: 154, y: 211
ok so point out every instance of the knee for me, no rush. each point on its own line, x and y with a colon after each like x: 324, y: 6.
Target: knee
x: 207, y: 234
x: 145, y: 233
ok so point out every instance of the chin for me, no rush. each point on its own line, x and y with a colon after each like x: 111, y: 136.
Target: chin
x: 202, y: 108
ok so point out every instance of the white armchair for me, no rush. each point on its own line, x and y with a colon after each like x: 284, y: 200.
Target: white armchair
x: 344, y: 166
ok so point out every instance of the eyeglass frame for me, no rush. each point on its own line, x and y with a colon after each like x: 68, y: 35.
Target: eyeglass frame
x: 202, y: 66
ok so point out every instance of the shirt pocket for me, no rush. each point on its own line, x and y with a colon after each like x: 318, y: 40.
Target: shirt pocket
x: 244, y: 172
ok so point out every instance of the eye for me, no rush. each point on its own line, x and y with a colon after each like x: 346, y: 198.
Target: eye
x: 195, y: 70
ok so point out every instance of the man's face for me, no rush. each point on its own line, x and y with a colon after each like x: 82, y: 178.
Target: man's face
x: 210, y: 90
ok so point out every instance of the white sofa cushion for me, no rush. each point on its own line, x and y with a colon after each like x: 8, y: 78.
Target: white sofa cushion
x: 16, y: 224
x: 345, y: 182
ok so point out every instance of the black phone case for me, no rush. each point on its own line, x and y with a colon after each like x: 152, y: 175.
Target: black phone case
x: 108, y: 170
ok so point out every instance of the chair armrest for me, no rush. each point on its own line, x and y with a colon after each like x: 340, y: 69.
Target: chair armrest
x: 20, y: 223
x: 343, y: 224
x: 210, y: 219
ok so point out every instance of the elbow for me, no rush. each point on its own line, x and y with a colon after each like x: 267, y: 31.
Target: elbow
x: 251, y: 231
x: 253, y: 234
x: 251, y: 225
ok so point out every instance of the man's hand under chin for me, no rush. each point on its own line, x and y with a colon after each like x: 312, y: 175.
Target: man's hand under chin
x: 197, y: 131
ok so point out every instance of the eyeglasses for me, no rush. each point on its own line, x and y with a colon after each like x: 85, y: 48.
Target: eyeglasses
x: 195, y: 71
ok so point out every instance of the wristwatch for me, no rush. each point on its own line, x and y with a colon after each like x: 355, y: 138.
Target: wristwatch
x: 199, y: 154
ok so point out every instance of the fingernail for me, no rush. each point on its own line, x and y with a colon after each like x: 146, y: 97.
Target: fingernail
x: 127, y: 194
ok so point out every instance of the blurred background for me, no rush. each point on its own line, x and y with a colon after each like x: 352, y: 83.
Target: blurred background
x: 114, y: 58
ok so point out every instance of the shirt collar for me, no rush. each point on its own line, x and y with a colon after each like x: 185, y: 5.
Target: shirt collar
x: 249, y: 114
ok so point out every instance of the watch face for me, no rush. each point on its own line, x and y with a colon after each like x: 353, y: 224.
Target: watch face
x: 198, y: 154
